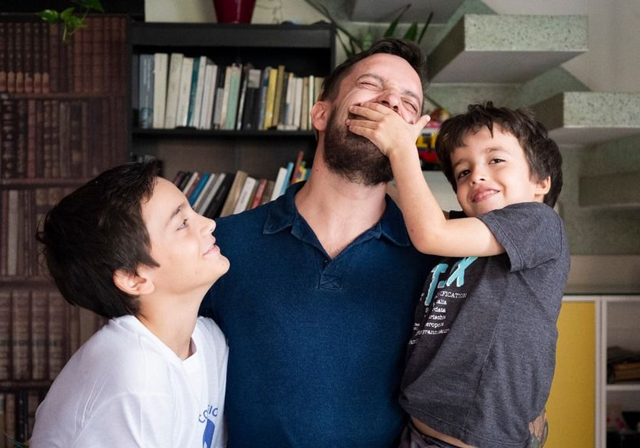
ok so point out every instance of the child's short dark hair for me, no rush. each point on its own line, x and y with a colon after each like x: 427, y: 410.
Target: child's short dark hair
x: 97, y: 230
x: 541, y: 152
x: 407, y: 50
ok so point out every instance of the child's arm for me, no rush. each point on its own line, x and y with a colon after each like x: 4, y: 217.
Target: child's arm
x: 428, y: 227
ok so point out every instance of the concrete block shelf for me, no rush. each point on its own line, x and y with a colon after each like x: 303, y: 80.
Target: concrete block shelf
x: 486, y: 48
x: 590, y: 117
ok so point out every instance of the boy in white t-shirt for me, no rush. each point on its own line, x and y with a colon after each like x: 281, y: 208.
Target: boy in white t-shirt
x: 128, y: 246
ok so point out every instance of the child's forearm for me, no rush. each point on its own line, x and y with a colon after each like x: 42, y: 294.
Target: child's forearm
x: 428, y: 228
x: 421, y: 211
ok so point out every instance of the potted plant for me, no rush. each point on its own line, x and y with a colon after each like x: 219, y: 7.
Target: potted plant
x: 68, y: 17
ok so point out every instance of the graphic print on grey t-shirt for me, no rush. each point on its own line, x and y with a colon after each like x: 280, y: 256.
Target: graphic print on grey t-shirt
x: 439, y: 300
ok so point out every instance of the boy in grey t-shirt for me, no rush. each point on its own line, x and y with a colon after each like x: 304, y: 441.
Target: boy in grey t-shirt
x: 482, y: 354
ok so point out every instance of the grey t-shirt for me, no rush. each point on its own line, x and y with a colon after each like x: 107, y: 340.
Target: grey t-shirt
x: 482, y: 354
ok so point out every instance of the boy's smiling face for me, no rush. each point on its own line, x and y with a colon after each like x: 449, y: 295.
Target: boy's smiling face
x: 492, y: 172
x: 181, y: 243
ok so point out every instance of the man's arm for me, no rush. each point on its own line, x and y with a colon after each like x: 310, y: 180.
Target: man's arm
x: 428, y: 227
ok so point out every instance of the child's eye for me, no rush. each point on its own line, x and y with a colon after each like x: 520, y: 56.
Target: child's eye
x: 497, y: 160
x: 462, y: 173
x: 183, y: 225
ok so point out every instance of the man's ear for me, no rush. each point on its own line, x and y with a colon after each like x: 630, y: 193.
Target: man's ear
x: 135, y: 284
x: 320, y: 115
x: 543, y: 186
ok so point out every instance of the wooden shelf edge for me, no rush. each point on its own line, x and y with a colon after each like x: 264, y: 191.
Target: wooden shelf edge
x: 43, y: 182
x: 12, y: 385
x: 196, y: 133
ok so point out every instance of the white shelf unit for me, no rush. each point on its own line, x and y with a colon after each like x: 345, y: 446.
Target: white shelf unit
x: 620, y: 326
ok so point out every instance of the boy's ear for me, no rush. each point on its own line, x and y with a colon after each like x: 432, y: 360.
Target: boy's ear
x: 543, y: 186
x: 320, y: 115
x: 135, y: 284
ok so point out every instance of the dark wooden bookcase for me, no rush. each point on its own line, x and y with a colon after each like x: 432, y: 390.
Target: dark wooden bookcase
x: 303, y: 49
x: 63, y: 119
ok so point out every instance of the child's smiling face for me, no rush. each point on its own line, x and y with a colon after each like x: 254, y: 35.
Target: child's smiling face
x: 492, y: 172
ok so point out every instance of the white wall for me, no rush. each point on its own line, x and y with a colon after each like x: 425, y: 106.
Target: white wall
x: 612, y: 63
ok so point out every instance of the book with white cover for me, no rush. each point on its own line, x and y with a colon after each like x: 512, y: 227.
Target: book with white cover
x: 245, y: 194
x: 297, y: 106
x: 225, y: 97
x: 208, y: 96
x: 160, y: 73
x: 173, y: 90
x: 184, y: 92
x: 280, y: 180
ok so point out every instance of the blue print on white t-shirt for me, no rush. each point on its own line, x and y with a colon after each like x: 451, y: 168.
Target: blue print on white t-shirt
x: 210, y: 427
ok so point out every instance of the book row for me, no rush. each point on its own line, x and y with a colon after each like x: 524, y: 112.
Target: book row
x: 39, y: 331
x: 60, y: 138
x: 17, y: 416
x: 224, y: 194
x: 181, y: 91
x: 34, y: 59
x: 20, y: 214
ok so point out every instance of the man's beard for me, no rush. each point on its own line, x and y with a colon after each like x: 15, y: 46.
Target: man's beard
x: 354, y: 157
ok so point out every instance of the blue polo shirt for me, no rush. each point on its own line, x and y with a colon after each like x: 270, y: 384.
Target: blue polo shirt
x: 317, y: 345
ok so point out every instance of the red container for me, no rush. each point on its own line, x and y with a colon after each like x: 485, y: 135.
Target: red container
x: 234, y: 11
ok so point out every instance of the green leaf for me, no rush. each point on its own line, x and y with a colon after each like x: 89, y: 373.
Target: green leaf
x: 412, y: 32
x: 75, y: 22
x: 392, y: 27
x: 426, y: 25
x: 66, y: 14
x: 90, y: 4
x: 49, y: 16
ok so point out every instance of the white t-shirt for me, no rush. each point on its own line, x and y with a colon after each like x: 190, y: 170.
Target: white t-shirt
x: 126, y: 388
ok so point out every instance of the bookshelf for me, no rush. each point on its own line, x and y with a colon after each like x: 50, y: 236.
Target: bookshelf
x: 303, y: 49
x: 63, y: 119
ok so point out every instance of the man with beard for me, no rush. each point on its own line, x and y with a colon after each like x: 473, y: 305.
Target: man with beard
x: 318, y: 304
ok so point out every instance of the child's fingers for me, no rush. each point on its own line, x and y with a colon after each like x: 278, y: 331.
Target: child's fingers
x: 423, y: 121
x: 363, y: 131
x: 362, y: 123
x: 365, y: 112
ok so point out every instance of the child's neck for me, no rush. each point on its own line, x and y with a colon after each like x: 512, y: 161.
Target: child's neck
x: 173, y: 325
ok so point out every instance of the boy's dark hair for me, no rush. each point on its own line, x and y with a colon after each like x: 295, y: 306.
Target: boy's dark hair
x: 409, y: 51
x: 97, y: 230
x: 541, y: 152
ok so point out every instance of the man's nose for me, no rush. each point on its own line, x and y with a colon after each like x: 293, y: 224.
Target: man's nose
x: 390, y: 99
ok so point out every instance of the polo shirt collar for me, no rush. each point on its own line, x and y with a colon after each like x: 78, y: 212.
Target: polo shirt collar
x: 283, y: 214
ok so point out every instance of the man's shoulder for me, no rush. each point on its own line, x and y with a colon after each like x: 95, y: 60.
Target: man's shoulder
x: 242, y: 222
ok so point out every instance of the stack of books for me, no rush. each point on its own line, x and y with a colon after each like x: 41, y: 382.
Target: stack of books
x: 223, y: 194
x: 174, y: 90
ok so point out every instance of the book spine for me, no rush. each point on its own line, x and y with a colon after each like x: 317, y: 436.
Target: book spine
x: 87, y: 56
x: 21, y: 139
x: 160, y: 68
x: 56, y: 337
x: 173, y: 90
x: 98, y: 55
x: 8, y: 131
x: 31, y: 139
x: 5, y: 335
x: 146, y: 91
x: 53, y: 65
x: 20, y: 317
x: 29, y: 50
x: 19, y: 57
x: 3, y: 56
x: 39, y: 316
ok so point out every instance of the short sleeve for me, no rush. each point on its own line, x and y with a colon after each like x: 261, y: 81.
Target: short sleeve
x: 531, y: 233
